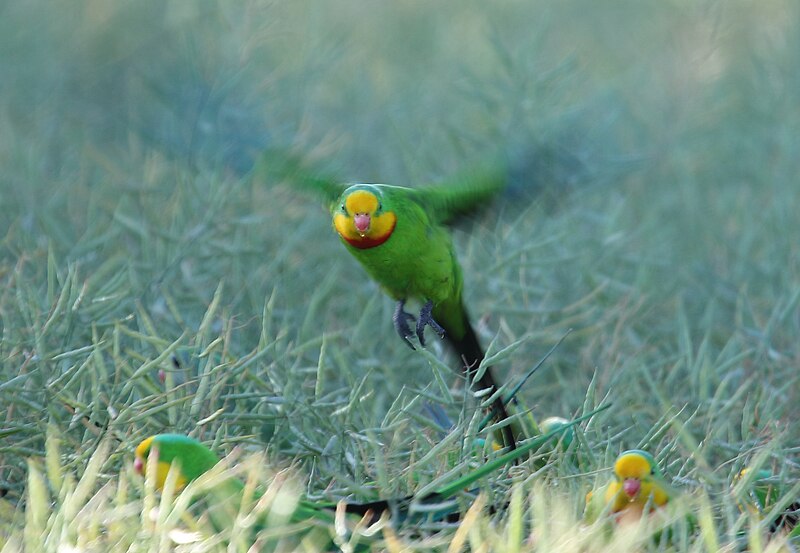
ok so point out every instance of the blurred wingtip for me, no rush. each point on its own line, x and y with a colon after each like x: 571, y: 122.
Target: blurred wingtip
x: 282, y: 166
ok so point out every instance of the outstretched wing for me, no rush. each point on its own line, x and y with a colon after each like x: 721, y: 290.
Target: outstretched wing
x: 464, y: 193
x: 283, y: 166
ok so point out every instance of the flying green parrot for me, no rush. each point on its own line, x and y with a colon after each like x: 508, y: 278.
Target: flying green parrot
x: 637, y: 484
x: 400, y: 237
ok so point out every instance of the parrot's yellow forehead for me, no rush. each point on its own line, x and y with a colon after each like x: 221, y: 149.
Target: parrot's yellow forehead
x: 144, y: 447
x: 361, y: 201
x: 632, y: 465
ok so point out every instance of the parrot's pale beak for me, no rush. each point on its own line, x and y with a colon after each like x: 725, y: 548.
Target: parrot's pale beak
x: 631, y: 487
x: 138, y: 465
x: 361, y: 221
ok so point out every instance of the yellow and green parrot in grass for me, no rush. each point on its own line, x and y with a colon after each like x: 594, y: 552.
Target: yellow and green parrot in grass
x: 193, y: 459
x: 763, y: 491
x: 400, y: 237
x: 637, y: 484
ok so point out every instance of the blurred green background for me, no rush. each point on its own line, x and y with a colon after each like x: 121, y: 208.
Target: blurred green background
x: 660, y: 222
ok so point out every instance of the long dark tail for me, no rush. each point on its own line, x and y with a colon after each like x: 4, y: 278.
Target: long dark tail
x: 399, y: 508
x: 469, y: 350
x: 788, y: 519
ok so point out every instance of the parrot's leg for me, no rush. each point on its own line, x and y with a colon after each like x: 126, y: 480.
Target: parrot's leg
x: 400, y: 319
x: 425, y: 318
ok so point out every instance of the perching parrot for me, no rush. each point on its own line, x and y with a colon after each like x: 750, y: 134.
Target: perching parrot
x: 400, y: 236
x: 637, y: 483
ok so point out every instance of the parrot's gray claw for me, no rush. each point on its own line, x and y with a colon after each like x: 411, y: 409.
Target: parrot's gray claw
x: 425, y: 318
x: 400, y: 319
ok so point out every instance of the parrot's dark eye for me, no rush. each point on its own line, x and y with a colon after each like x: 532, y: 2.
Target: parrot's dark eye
x: 342, y: 207
x: 653, y: 472
x: 380, y: 206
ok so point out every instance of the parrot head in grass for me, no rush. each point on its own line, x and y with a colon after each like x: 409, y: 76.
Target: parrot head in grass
x: 763, y: 491
x: 192, y: 457
x: 637, y: 484
x: 551, y: 424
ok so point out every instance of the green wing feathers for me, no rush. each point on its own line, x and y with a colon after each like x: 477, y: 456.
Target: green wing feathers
x: 283, y: 166
x: 464, y: 193
x: 459, y: 195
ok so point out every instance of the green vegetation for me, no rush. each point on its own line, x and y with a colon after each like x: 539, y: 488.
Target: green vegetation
x: 153, y: 281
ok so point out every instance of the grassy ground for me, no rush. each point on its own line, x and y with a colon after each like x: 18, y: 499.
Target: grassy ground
x: 661, y: 226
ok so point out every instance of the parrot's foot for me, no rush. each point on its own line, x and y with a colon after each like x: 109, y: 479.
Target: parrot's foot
x: 425, y: 318
x: 400, y: 319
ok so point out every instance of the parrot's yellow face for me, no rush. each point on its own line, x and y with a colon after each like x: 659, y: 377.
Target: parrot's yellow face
x: 142, y: 454
x: 361, y: 220
x: 763, y: 489
x: 634, y: 483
